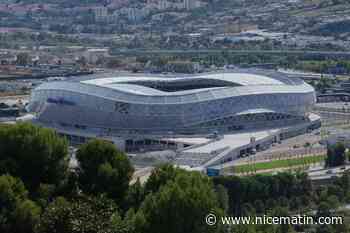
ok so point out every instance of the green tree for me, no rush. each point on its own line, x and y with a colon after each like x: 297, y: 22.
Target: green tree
x: 259, y: 206
x: 347, y: 156
x: 44, y: 194
x: 22, y: 59
x: 17, y: 212
x: 282, y: 212
x: 81, y: 215
x: 160, y: 176
x: 333, y: 201
x: 344, y: 182
x: 135, y: 195
x: 181, y: 205
x: 324, y: 209
x: 36, y: 155
x: 103, y: 169
x: 223, y: 198
x: 335, y: 155
x: 26, y: 216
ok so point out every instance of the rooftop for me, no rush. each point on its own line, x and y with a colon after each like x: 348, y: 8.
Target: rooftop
x: 174, y: 89
x: 147, y: 84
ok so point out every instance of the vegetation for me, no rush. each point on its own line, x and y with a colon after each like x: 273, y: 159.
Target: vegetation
x: 83, y: 214
x: 317, y: 63
x: 103, y: 169
x: 281, y: 195
x: 22, y: 59
x: 180, y: 206
x: 323, y: 84
x: 17, y: 212
x: 325, y: 66
x: 16, y: 39
x: 96, y: 197
x: 335, y: 155
x: 35, y: 155
x: 283, y: 163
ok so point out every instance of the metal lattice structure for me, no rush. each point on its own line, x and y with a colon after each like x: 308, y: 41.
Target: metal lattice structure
x: 205, y: 103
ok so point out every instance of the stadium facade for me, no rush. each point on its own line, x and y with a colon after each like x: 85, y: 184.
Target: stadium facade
x: 159, y: 106
x: 197, y: 104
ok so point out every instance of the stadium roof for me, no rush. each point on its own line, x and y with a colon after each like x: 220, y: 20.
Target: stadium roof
x: 243, y: 79
x: 152, y: 89
x: 135, y: 84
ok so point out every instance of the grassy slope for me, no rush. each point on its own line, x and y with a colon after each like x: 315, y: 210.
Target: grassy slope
x: 278, y: 164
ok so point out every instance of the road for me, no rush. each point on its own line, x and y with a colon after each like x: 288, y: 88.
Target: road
x: 215, y: 51
x: 318, y: 173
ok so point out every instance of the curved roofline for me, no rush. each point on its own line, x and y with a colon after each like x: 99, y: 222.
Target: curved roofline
x: 124, y: 89
x: 275, y: 74
x: 174, y: 98
x: 243, y: 79
x: 154, y: 84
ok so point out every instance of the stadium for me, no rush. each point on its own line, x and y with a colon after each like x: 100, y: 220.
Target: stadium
x: 139, y: 110
x: 183, y: 105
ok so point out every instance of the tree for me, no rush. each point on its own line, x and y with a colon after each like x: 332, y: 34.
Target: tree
x: 335, y: 155
x: 103, y: 169
x: 335, y: 190
x: 323, y: 84
x: 26, y: 216
x: 324, y: 210
x: 80, y: 215
x: 304, y: 184
x: 181, y: 205
x: 271, y: 204
x: 259, y: 206
x: 347, y: 156
x: 160, y: 176
x: 36, y: 155
x: 282, y: 212
x: 22, y: 59
x: 44, y: 194
x: 333, y: 201
x: 223, y: 198
x: 267, y: 188
x: 344, y: 182
x: 17, y: 212
x: 135, y: 195
x: 248, y: 209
